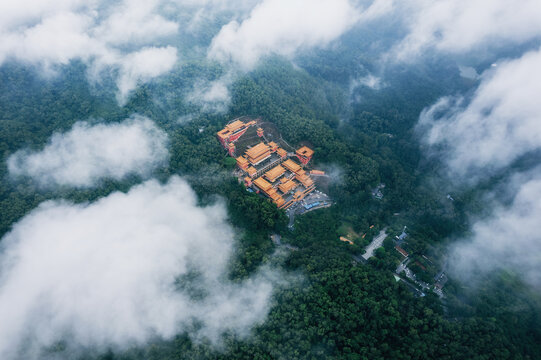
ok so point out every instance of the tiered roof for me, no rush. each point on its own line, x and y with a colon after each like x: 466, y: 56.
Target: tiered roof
x: 251, y: 171
x: 258, y: 153
x: 281, y: 152
x: 232, y: 127
x: 275, y: 173
x: 291, y: 165
x: 262, y: 184
x: 304, y: 179
x: 242, y: 162
x: 287, y: 185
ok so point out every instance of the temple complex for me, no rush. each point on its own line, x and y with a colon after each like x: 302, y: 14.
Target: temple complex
x: 268, y: 169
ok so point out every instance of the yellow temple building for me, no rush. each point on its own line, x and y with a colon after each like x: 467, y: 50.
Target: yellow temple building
x: 268, y: 169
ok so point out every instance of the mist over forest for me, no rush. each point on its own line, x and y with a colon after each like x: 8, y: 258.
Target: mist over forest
x: 125, y: 235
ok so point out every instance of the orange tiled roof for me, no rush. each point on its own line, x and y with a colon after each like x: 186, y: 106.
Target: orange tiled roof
x: 262, y: 184
x: 242, y: 161
x: 277, y: 199
x: 274, y: 173
x: 291, y: 165
x: 299, y: 195
x: 234, y: 125
x: 230, y: 128
x: 305, y: 151
x: 287, y: 186
x: 305, y: 180
x: 257, y: 150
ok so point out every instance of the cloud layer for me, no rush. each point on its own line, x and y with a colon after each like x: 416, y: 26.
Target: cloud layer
x: 284, y: 27
x: 483, y: 135
x: 87, y: 153
x: 499, y: 124
x: 453, y: 26
x: 120, y: 271
x: 104, y: 36
x: 136, y: 40
x: 509, y: 239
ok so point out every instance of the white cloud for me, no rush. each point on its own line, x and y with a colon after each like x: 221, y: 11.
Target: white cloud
x: 480, y: 136
x: 56, y: 32
x: 377, y: 9
x: 88, y: 153
x: 509, y: 239
x: 15, y: 13
x: 212, y: 96
x: 467, y: 72
x: 57, y: 39
x: 284, y: 27
x: 143, y: 65
x: 499, y: 124
x: 486, y: 132
x: 121, y: 271
x: 135, y: 22
x: 204, y: 12
x: 370, y: 81
x: 464, y: 25
x: 135, y: 41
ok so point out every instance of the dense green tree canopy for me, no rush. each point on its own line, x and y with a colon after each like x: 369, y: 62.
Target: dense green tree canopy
x: 332, y: 306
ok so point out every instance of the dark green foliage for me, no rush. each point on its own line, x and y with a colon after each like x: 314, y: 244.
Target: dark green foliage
x: 253, y: 212
x: 336, y: 308
x: 353, y: 312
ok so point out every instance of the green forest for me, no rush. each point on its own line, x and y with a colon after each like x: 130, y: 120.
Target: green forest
x: 338, y: 307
